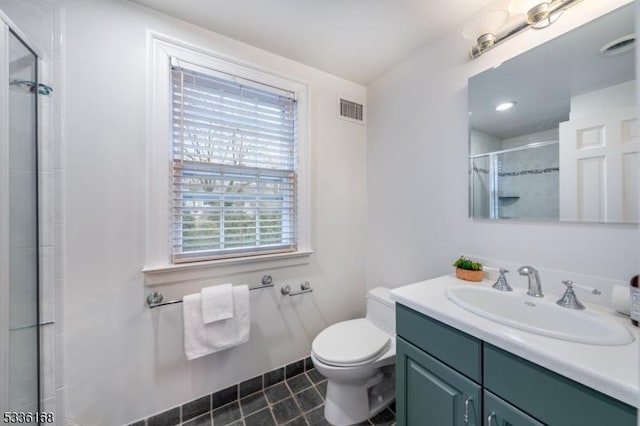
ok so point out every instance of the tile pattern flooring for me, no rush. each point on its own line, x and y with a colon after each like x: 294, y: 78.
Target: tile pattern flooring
x: 296, y: 401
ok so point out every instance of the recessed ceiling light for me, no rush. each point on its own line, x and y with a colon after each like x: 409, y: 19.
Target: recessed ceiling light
x: 505, y: 106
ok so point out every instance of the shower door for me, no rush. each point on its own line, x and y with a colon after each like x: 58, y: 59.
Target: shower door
x: 19, y: 293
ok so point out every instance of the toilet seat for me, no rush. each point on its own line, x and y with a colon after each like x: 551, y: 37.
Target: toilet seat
x: 350, y: 343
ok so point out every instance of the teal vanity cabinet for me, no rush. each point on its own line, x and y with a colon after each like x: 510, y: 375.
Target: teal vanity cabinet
x: 445, y: 377
x: 437, y: 373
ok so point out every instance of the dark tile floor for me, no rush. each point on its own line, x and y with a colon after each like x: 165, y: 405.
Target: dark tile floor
x: 297, y: 401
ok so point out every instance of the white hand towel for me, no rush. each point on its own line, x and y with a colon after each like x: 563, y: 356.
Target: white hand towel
x: 217, y: 303
x: 203, y: 339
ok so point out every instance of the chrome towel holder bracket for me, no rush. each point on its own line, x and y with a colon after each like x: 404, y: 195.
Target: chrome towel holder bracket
x: 305, y: 287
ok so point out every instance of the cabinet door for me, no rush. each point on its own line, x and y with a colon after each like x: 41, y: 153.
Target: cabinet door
x: 500, y: 413
x: 429, y: 393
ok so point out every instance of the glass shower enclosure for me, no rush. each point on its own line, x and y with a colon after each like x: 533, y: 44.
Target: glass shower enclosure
x: 19, y: 242
x: 516, y: 183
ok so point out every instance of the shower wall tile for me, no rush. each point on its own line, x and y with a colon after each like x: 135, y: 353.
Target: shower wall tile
x: 59, y: 252
x: 57, y: 83
x: 47, y: 285
x: 58, y: 33
x: 21, y: 210
x: 45, y: 136
x: 60, y: 367
x: 48, y: 405
x: 58, y: 181
x: 22, y: 378
x: 47, y: 361
x: 46, y: 203
x: 61, y: 407
x: 35, y: 20
x: 59, y: 306
x: 22, y: 279
x: 58, y: 151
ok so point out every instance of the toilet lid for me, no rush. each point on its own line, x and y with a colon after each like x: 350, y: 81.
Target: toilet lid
x: 350, y: 343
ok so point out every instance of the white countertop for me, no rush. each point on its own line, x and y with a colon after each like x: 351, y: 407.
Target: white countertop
x: 612, y: 370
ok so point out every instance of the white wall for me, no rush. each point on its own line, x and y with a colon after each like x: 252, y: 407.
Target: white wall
x: 480, y: 142
x: 125, y: 361
x: 607, y: 99
x: 417, y: 174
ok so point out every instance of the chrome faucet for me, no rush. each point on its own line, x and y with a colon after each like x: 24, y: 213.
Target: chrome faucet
x: 535, y: 288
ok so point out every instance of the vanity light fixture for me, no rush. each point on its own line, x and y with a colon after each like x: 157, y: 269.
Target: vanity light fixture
x: 535, y: 14
x: 484, y: 26
x: 505, y: 106
x: 536, y: 11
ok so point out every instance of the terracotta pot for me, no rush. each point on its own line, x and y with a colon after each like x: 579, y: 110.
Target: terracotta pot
x: 466, y: 275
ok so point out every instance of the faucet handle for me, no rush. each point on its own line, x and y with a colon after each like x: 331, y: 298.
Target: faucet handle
x: 591, y: 290
x: 502, y: 284
x: 569, y: 299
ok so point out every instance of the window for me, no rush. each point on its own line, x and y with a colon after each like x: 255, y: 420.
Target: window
x: 234, y: 165
x: 228, y: 166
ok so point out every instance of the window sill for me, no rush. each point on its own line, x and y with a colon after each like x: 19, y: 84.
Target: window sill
x: 173, y: 273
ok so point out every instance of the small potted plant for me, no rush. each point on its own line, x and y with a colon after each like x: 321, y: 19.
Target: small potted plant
x: 468, y: 270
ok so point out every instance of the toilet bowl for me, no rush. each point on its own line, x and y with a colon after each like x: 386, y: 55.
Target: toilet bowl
x: 358, y: 359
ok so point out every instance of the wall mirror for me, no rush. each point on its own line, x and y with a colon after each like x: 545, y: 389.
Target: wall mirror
x: 553, y: 133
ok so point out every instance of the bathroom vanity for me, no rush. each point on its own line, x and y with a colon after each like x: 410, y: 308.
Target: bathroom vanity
x: 454, y: 368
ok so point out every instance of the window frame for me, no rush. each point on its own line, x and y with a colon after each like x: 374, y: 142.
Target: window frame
x: 158, y: 256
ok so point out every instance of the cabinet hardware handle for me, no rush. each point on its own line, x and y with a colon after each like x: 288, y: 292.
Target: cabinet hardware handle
x: 490, y: 419
x: 466, y: 409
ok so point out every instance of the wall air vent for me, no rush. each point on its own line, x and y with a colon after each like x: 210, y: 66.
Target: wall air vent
x: 351, y: 111
x: 618, y: 46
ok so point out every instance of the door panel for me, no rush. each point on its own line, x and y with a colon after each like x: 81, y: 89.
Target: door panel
x: 429, y: 393
x: 598, y: 167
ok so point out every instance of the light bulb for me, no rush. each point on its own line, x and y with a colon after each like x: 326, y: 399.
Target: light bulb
x: 536, y: 11
x: 483, y: 27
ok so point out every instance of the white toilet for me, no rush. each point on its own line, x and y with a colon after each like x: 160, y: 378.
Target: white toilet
x: 358, y: 359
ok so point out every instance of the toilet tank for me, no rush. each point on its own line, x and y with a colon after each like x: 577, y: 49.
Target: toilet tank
x: 381, y: 310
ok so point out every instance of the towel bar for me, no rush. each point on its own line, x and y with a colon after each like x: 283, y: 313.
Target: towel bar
x: 305, y: 287
x: 155, y: 299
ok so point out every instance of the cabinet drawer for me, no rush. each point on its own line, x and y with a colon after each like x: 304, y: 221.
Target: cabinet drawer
x: 555, y: 399
x: 453, y: 347
x: 500, y: 413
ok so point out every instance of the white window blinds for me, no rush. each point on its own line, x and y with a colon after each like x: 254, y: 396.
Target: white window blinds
x: 234, y: 166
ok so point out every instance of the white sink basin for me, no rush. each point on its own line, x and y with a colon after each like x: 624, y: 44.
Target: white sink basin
x: 540, y: 315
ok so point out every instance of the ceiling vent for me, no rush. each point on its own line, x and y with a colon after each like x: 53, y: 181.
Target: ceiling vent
x: 351, y: 111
